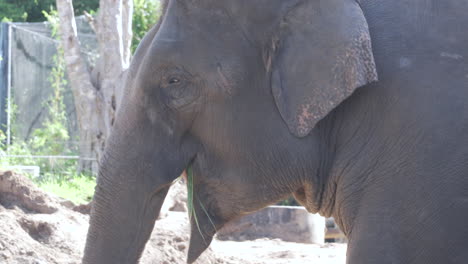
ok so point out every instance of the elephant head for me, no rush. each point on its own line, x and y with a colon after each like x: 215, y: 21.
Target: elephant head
x: 233, y: 90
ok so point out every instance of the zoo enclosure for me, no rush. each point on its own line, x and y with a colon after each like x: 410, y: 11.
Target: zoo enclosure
x: 28, y: 58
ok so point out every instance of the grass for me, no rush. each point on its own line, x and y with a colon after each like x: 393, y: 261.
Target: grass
x: 78, y: 190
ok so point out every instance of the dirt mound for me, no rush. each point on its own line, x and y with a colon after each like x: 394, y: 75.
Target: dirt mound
x: 20, y: 191
x: 39, y: 228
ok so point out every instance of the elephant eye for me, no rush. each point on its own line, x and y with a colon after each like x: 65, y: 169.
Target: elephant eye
x: 173, y: 80
x: 178, y: 88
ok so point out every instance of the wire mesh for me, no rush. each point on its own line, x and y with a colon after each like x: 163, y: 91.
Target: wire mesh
x: 27, y: 52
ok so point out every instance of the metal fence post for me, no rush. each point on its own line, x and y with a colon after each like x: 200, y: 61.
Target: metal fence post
x: 9, y: 99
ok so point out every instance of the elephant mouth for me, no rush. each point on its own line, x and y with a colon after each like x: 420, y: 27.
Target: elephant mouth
x: 201, y: 234
x: 204, y: 222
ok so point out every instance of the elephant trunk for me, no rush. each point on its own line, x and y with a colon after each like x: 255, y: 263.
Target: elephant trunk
x: 122, y: 218
x: 134, y: 178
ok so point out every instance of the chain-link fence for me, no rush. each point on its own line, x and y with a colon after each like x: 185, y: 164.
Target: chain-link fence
x: 30, y: 80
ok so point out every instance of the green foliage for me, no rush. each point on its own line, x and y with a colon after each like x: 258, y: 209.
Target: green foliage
x: 19, y: 148
x: 289, y: 202
x: 191, y: 209
x: 58, y: 176
x: 52, y: 138
x: 79, y: 189
x: 146, y: 13
x: 53, y: 18
x: 81, y: 6
x: 12, y: 12
x: 31, y: 10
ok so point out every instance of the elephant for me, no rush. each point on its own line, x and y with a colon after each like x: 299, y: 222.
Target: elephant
x: 358, y: 108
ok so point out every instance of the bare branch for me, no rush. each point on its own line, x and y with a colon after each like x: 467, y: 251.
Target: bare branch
x: 91, y: 20
x: 127, y: 33
x: 114, y: 36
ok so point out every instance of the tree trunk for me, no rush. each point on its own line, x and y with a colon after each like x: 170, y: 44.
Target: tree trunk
x: 114, y: 33
x: 85, y: 95
x: 96, y: 101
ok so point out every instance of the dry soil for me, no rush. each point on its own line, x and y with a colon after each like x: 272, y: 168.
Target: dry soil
x: 39, y: 228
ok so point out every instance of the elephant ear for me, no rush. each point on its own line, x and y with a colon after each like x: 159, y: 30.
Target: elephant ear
x: 321, y: 54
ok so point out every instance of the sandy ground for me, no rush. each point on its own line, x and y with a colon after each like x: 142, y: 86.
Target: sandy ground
x: 38, y: 228
x: 260, y: 251
x: 273, y: 251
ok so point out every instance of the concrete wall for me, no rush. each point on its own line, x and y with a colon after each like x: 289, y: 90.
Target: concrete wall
x: 288, y: 223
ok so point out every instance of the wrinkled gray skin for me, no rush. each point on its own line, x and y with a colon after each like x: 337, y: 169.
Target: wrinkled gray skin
x: 358, y: 109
